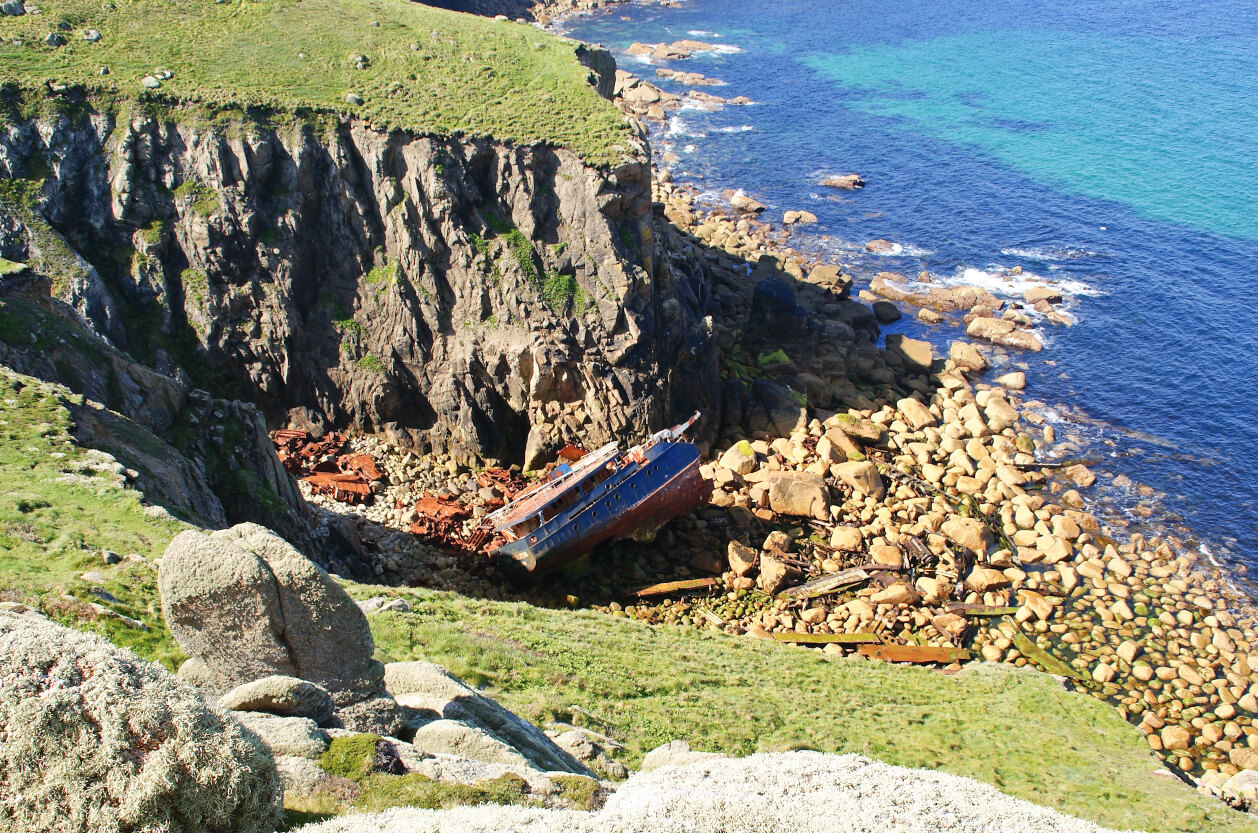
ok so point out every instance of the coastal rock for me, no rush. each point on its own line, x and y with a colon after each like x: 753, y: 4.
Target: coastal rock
x: 846, y: 539
x: 983, y: 579
x: 247, y: 605
x: 284, y: 696
x: 967, y: 357
x: 740, y: 458
x: 886, y: 312
x: 798, y: 493
x: 118, y: 728
x: 1042, y: 293
x: 846, y: 182
x: 882, y: 247
x: 742, y: 558
x: 1004, y: 333
x: 450, y: 717
x: 916, y: 354
x: 776, y: 575
x: 917, y: 414
x: 968, y: 532
x: 863, y: 478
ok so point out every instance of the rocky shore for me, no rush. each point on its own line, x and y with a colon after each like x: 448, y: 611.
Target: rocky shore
x: 931, y: 493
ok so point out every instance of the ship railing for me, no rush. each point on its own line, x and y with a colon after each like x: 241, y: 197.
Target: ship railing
x: 534, y: 501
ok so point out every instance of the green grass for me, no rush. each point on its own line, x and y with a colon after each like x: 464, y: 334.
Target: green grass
x: 354, y: 759
x: 8, y: 267
x: 1017, y: 730
x: 56, y: 516
x: 371, y: 363
x: 428, y: 70
x: 50, y: 254
x: 202, y: 199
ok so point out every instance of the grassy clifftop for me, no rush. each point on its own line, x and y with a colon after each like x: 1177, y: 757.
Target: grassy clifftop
x: 411, y: 66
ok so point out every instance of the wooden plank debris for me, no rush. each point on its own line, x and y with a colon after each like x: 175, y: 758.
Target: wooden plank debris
x: 1027, y: 647
x: 980, y: 609
x: 827, y: 584
x: 710, y: 616
x: 913, y: 653
x: 828, y: 638
x: 676, y: 587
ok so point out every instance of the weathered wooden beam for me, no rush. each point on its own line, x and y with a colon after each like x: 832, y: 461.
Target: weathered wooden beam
x: 676, y: 587
x: 827, y: 584
x: 827, y: 638
x: 913, y: 653
x: 967, y: 609
x: 1027, y: 647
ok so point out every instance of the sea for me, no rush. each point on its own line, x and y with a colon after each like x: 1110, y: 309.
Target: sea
x: 1108, y: 149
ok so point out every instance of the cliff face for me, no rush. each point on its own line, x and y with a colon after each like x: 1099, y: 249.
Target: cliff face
x: 455, y: 294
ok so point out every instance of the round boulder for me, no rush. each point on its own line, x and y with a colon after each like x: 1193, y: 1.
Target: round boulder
x: 97, y: 739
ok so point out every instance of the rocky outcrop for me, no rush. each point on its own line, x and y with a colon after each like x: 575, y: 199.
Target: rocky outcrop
x: 208, y: 461
x: 244, y: 605
x: 456, y: 295
x: 97, y: 739
x: 803, y: 792
x: 451, y: 718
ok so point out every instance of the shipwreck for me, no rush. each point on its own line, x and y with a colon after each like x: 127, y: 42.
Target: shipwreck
x: 604, y: 496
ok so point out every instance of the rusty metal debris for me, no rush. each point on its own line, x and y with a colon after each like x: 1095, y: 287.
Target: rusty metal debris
x: 319, y: 461
x: 913, y: 653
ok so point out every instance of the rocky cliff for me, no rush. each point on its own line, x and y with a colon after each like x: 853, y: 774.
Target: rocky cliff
x: 455, y: 294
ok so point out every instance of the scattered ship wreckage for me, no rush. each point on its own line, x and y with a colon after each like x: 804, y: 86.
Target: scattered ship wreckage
x: 606, y: 495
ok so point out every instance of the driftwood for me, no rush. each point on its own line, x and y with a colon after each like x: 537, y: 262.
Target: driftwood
x: 675, y: 587
x: 1027, y: 647
x: 827, y: 584
x: 967, y: 609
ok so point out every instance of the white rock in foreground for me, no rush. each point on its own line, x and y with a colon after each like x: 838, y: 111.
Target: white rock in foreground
x: 791, y: 792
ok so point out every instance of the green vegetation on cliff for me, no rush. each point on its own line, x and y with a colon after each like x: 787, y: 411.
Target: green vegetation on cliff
x: 60, y: 508
x: 412, y: 67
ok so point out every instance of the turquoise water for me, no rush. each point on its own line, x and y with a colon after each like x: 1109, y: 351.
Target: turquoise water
x: 1140, y: 120
x: 1109, y: 149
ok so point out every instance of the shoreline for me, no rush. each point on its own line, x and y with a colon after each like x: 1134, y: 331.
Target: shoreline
x: 1175, y: 663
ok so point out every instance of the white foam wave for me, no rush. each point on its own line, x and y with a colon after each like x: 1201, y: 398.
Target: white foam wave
x: 997, y: 280
x: 700, y: 106
x: 700, y: 33
x: 678, y: 127
x: 1048, y: 255
x: 742, y: 128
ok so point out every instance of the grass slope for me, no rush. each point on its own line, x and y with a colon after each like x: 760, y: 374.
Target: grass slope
x: 60, y: 506
x: 427, y: 70
x: 1017, y: 730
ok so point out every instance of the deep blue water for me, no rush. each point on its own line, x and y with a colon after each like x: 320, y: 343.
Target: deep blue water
x: 1108, y: 148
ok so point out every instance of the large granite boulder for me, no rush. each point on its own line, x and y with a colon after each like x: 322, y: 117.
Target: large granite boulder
x: 452, y: 718
x: 243, y: 604
x: 95, y: 738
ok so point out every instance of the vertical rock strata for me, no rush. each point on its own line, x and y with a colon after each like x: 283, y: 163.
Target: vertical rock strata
x: 455, y: 294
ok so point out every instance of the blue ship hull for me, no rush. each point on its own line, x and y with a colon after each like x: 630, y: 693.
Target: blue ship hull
x: 633, y: 502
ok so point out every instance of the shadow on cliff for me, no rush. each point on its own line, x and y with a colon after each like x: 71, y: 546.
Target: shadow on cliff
x: 793, y: 351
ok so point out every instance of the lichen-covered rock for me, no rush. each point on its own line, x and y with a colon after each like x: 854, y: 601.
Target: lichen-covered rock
x: 148, y: 754
x: 247, y: 605
x: 453, y: 718
x: 294, y: 736
x: 283, y: 696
